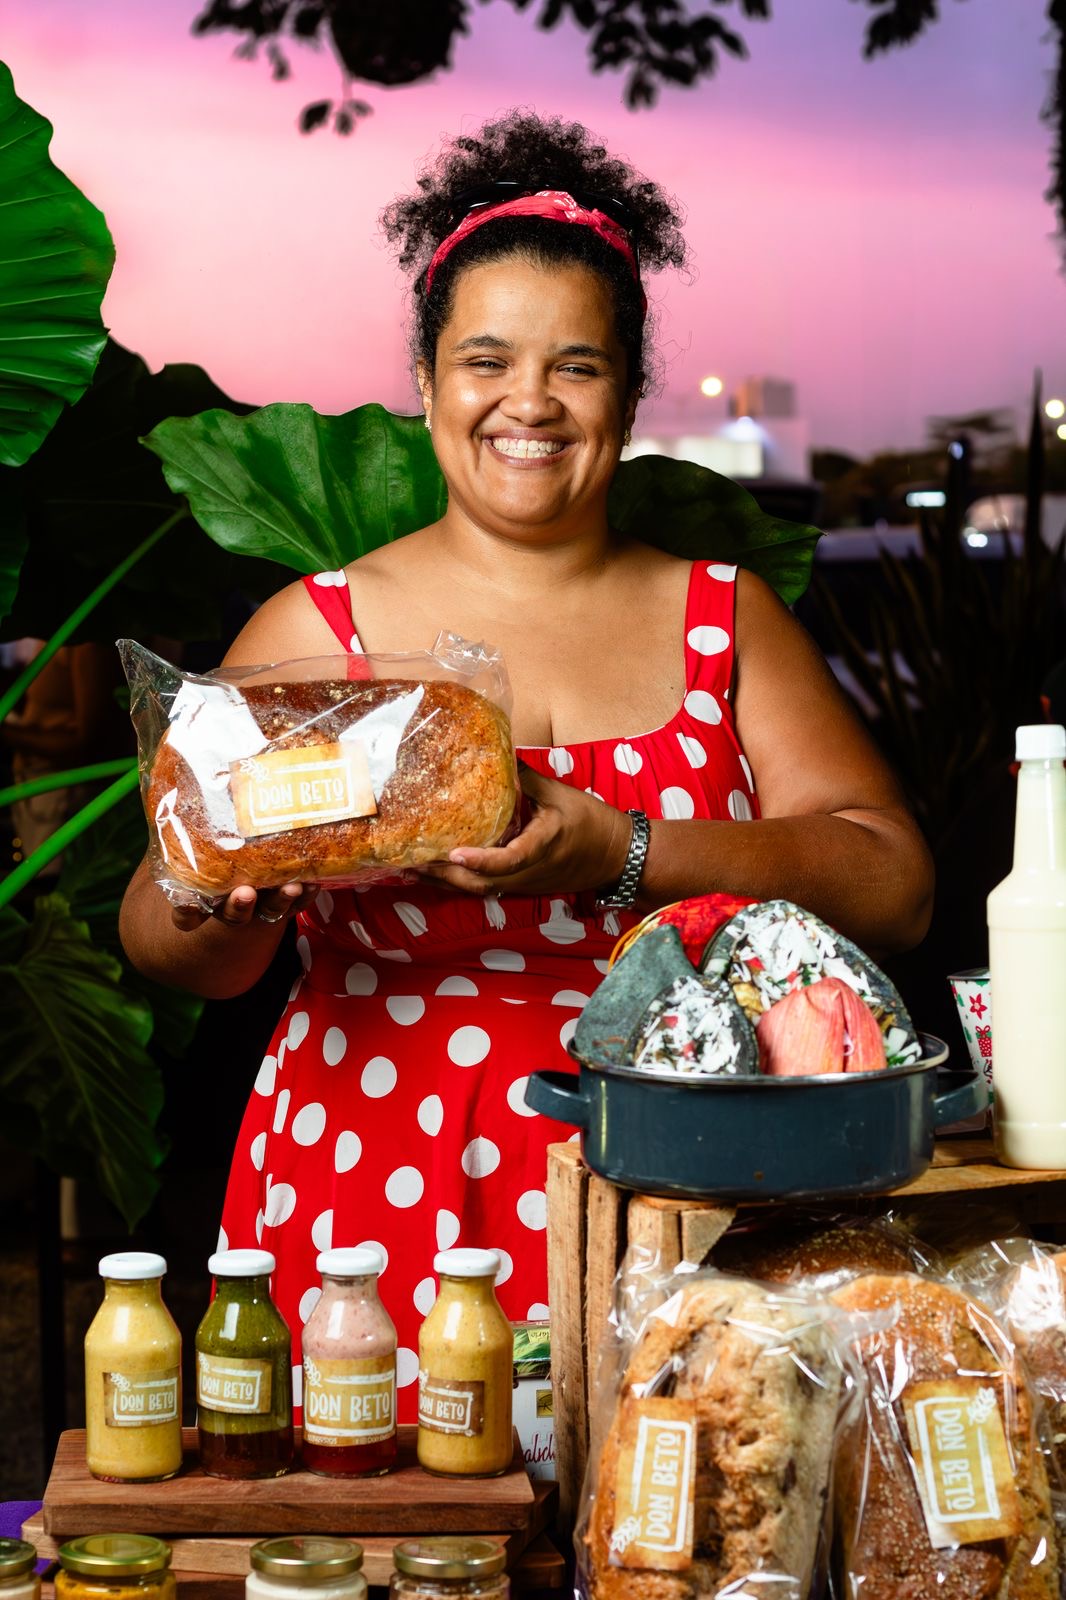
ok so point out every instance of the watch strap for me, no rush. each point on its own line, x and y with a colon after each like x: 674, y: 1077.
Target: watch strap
x: 623, y: 897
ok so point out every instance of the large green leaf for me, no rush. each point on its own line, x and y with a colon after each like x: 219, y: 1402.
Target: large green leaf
x: 55, y: 261
x: 78, y: 1086
x: 315, y: 492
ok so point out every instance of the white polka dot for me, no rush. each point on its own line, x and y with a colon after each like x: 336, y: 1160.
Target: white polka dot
x: 257, y: 1150
x: 575, y: 1138
x: 509, y: 1000
x: 567, y: 1031
x: 447, y: 1229
x: 322, y: 1231
x: 570, y: 997
x: 372, y: 1244
x: 405, y: 1008
x: 361, y: 934
x: 425, y: 1295
x: 360, y: 979
x: 280, y: 1204
x: 503, y: 960
x: 628, y: 760
x: 324, y: 904
x: 533, y: 1209
x: 298, y: 1385
x: 379, y: 1078
x: 506, y: 1266
x: 406, y: 1367
x: 294, y: 991
x: 747, y: 773
x: 538, y: 1312
x: 223, y: 1240
x: 309, y: 1123
x: 404, y: 1187
x: 281, y: 1110
x: 602, y: 966
x: 703, y: 706
x: 412, y: 917
x: 259, y: 1219
x: 719, y: 570
x: 560, y: 760
x: 264, y: 1078
x: 562, y: 927
x: 330, y: 580
x: 611, y: 924
x: 692, y: 750
x: 495, y: 915
x: 304, y: 951
x: 480, y: 1158
x: 355, y: 645
x: 346, y: 1152
x: 281, y: 1053
x: 395, y: 955
x: 707, y: 640
x: 596, y: 796
x: 309, y: 1300
x: 516, y: 1098
x: 431, y: 1114
x: 457, y: 986
x: 677, y: 802
x: 467, y: 1046
x: 740, y: 806
x: 333, y: 1046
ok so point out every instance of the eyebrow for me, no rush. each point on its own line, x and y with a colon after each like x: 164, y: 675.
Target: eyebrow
x: 489, y: 341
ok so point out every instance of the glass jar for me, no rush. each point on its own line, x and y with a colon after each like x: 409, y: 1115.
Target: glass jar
x: 115, y: 1566
x: 465, y: 1359
x: 133, y: 1375
x: 244, y: 1372
x: 449, y: 1569
x: 18, y: 1578
x: 290, y: 1569
x: 349, y: 1357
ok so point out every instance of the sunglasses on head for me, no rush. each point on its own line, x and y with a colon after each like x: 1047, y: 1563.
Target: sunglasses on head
x: 501, y: 189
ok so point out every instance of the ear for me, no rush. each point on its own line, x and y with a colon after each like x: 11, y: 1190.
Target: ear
x: 631, y: 410
x: 424, y: 374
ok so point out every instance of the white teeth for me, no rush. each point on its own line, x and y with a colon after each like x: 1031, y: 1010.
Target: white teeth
x: 526, y: 447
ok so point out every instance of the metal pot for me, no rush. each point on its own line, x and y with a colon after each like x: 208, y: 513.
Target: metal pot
x: 755, y: 1138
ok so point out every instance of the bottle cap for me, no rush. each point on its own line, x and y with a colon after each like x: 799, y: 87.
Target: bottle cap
x: 1041, y: 741
x: 360, y: 1262
x: 241, y: 1264
x: 130, y: 1266
x: 114, y: 1555
x: 467, y: 1263
x: 306, y: 1560
x: 16, y: 1557
x: 449, y: 1557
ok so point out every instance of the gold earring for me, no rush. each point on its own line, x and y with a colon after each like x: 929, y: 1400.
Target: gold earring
x: 429, y: 425
x: 627, y: 437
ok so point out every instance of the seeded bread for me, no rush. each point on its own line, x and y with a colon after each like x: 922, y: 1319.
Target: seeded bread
x: 781, y: 1254
x: 766, y: 1387
x: 1036, y: 1315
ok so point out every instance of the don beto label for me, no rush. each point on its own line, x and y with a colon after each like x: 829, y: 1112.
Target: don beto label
x: 300, y: 787
x: 349, y: 1402
x: 655, y: 1486
x: 962, y: 1463
x: 230, y: 1383
x: 141, y: 1400
x: 449, y: 1405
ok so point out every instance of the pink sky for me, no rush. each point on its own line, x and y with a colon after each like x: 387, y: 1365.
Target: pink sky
x: 873, y: 231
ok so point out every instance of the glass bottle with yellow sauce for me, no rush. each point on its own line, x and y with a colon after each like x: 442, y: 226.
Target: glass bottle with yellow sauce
x: 115, y: 1566
x: 133, y: 1375
x: 465, y: 1361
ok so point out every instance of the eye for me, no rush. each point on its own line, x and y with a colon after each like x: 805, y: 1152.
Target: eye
x: 580, y: 372
x: 486, y: 364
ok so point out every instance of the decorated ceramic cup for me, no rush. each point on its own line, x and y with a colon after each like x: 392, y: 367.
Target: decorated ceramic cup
x: 973, y: 997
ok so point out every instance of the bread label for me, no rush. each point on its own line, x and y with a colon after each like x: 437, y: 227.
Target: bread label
x: 233, y: 1383
x: 350, y: 1401
x: 448, y: 1405
x: 655, y: 1487
x: 140, y: 1400
x: 962, y: 1463
x: 282, y: 790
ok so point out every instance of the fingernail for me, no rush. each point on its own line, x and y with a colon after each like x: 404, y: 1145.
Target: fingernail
x: 292, y: 891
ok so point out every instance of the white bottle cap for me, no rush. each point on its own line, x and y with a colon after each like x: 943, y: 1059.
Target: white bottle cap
x: 241, y: 1264
x: 467, y: 1263
x: 1041, y: 741
x: 360, y: 1262
x: 131, y: 1266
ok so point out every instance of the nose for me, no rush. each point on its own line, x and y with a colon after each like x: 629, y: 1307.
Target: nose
x: 529, y: 399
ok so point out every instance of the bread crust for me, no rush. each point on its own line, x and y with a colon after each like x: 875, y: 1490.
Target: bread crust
x: 928, y: 1331
x: 454, y: 783
x: 785, y: 1254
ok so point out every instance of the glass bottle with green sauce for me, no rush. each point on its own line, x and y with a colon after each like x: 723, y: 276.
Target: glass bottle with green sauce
x: 244, y: 1372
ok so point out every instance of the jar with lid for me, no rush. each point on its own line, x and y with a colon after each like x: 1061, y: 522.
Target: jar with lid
x: 115, y: 1566
x: 349, y: 1359
x: 18, y: 1575
x: 449, y: 1569
x: 133, y: 1375
x: 292, y: 1569
x: 465, y: 1371
x: 244, y: 1372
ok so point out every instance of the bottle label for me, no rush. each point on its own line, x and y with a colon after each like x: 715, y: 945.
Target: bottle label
x: 141, y: 1400
x: 961, y: 1461
x: 655, y: 1485
x: 282, y: 790
x: 230, y: 1383
x: 447, y: 1405
x: 349, y: 1402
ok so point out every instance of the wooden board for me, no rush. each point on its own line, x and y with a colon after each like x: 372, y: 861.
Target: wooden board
x: 566, y: 1190
x: 963, y: 1165
x: 405, y: 1501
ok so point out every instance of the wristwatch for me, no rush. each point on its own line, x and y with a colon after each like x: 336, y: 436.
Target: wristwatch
x: 623, y: 897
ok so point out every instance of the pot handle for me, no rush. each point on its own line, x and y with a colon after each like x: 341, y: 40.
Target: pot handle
x: 967, y: 1100
x: 558, y: 1095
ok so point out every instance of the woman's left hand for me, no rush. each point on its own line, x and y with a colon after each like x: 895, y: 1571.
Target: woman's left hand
x: 571, y: 842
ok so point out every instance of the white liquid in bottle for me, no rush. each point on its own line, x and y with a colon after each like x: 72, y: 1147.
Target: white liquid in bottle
x: 1027, y: 960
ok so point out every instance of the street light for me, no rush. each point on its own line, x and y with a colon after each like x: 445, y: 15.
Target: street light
x: 1061, y: 430
x: 1055, y: 409
x: 712, y: 386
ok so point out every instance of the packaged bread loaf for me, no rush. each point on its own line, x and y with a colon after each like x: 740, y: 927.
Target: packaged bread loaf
x: 332, y: 770
x: 714, y: 1474
x: 827, y: 1248
x: 941, y: 1490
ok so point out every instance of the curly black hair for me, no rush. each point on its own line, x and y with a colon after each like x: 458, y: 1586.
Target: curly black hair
x: 537, y: 153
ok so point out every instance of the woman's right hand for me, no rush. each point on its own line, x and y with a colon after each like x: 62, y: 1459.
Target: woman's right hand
x: 245, y: 906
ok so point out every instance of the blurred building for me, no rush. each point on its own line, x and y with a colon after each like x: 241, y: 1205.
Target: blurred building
x: 753, y: 432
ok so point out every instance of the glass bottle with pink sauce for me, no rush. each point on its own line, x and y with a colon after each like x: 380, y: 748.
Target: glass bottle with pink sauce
x: 349, y: 1358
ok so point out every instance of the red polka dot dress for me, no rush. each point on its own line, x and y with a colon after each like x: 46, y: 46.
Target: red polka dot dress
x: 389, y: 1108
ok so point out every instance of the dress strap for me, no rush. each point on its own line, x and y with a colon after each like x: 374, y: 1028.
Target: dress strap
x: 709, y: 628
x: 331, y: 596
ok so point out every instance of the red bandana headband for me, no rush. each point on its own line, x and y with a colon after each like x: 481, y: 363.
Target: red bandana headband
x: 557, y: 206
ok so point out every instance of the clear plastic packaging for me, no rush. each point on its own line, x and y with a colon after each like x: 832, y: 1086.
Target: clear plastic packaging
x: 334, y: 769
x: 820, y: 1249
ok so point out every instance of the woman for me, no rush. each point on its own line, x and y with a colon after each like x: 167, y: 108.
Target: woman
x: 390, y: 1105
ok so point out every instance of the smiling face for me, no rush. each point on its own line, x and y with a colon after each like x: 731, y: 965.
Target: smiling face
x: 528, y: 399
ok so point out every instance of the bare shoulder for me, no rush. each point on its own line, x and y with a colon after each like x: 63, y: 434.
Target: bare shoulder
x: 286, y: 627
